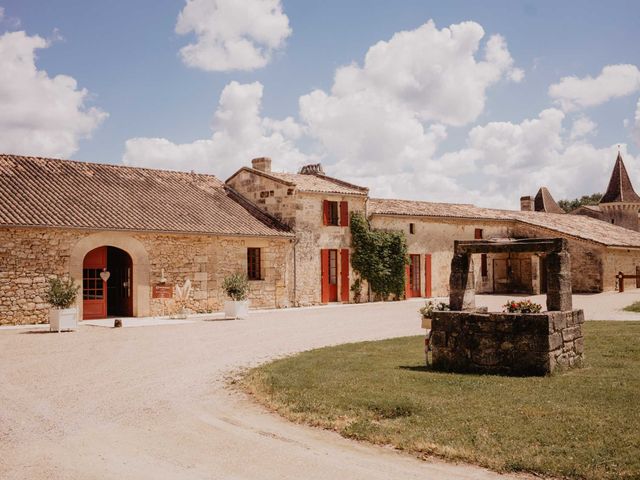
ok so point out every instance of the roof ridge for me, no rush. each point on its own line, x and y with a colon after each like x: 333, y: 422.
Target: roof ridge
x: 337, y: 180
x: 104, y: 164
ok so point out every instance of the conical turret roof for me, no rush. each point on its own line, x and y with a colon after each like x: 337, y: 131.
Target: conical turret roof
x: 544, y: 202
x: 620, y: 188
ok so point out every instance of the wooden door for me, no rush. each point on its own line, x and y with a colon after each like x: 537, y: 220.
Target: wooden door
x: 329, y: 275
x: 94, y: 291
x: 427, y: 275
x: 414, y: 276
x: 500, y: 277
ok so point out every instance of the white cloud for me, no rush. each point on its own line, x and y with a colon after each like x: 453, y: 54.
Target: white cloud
x: 582, y: 126
x: 239, y: 134
x: 636, y: 125
x: 232, y: 34
x: 375, y: 117
x: 40, y: 115
x: 614, y: 81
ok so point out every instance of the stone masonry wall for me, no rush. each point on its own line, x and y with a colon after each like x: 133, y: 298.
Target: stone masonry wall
x: 29, y: 256
x: 312, y: 236
x: 619, y: 260
x: 507, y: 343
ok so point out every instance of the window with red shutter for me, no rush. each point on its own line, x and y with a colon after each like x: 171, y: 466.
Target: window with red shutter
x: 253, y: 264
x: 344, y: 214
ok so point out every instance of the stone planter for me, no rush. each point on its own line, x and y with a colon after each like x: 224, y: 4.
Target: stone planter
x: 426, y: 322
x: 236, y: 309
x: 63, y: 319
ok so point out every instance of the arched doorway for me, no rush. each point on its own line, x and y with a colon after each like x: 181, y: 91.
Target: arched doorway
x: 107, y: 283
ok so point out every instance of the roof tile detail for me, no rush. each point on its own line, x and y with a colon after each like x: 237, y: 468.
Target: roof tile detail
x: 544, y: 202
x: 49, y: 192
x: 620, y: 188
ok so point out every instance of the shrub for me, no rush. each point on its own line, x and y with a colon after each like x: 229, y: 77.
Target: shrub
x: 356, y: 288
x: 524, y: 306
x: 379, y: 257
x: 61, y: 293
x: 236, y: 286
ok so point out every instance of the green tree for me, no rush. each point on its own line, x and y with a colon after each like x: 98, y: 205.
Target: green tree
x: 569, y: 205
x: 379, y: 257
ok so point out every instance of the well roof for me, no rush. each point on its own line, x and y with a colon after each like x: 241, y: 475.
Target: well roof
x: 48, y: 192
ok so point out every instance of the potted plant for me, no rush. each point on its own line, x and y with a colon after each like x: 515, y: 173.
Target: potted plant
x: 428, y: 309
x: 236, y: 286
x: 523, y: 306
x: 61, y: 296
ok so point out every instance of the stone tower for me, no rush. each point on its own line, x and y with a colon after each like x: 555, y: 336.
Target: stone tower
x: 620, y: 204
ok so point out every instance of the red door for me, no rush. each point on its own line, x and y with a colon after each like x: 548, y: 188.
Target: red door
x: 94, y: 291
x: 427, y: 275
x: 414, y: 276
x: 329, y: 272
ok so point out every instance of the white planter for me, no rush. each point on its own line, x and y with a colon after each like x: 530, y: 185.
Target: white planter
x: 63, y: 319
x: 234, y: 309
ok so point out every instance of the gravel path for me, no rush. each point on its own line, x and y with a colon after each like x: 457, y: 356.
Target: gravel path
x: 150, y: 403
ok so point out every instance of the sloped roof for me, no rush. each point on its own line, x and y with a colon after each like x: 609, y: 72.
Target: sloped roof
x: 620, y: 188
x: 544, y: 202
x: 315, y: 183
x: 62, y: 193
x: 578, y: 226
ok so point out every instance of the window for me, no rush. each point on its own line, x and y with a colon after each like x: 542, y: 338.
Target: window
x: 253, y: 264
x: 92, y: 284
x: 412, y: 228
x: 333, y: 267
x: 478, y: 234
x: 335, y: 213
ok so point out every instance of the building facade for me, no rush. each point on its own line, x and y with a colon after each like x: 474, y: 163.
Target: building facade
x: 131, y: 236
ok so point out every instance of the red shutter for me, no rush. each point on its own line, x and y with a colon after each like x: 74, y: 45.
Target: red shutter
x: 407, y: 284
x: 325, y: 212
x: 478, y: 234
x: 324, y: 273
x: 344, y: 214
x: 427, y: 275
x: 344, y: 275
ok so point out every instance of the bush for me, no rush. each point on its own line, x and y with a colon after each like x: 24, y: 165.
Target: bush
x: 236, y: 286
x: 432, y: 306
x: 524, y: 306
x: 61, y: 293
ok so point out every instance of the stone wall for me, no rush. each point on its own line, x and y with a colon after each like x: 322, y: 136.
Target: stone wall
x: 29, y: 256
x: 435, y: 236
x: 616, y: 260
x: 507, y: 343
x: 312, y: 236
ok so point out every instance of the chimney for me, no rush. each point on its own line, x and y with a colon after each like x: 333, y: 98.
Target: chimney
x: 262, y: 163
x: 526, y: 203
x: 312, y: 169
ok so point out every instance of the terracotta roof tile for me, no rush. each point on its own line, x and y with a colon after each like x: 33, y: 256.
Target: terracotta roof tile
x: 620, y: 188
x: 544, y: 202
x: 315, y: 183
x: 578, y: 226
x: 49, y: 192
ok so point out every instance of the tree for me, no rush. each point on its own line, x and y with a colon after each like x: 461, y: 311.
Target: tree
x: 569, y: 205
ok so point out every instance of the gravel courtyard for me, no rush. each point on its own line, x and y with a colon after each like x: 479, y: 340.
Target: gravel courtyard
x: 151, y: 402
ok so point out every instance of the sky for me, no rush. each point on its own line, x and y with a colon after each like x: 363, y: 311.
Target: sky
x: 456, y: 101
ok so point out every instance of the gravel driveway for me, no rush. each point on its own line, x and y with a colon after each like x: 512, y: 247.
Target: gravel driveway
x: 150, y: 403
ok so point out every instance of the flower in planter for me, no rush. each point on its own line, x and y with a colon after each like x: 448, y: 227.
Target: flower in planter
x: 432, y: 306
x: 523, y: 306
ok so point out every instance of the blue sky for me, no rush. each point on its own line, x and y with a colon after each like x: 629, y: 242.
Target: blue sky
x: 126, y: 54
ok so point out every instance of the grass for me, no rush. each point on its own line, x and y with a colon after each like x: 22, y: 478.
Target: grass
x: 582, y: 424
x: 634, y: 307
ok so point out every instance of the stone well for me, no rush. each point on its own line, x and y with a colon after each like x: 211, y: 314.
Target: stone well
x: 467, y: 339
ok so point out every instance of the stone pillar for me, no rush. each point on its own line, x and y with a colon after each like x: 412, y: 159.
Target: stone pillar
x: 462, y: 295
x: 559, y: 281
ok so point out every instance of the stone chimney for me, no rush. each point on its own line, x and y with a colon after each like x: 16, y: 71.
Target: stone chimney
x: 262, y: 163
x: 526, y: 203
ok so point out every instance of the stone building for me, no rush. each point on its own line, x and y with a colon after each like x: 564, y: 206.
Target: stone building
x: 317, y: 208
x: 147, y: 228
x: 131, y: 234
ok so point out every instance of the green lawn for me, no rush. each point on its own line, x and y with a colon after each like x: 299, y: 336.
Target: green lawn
x: 582, y: 424
x: 634, y: 307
